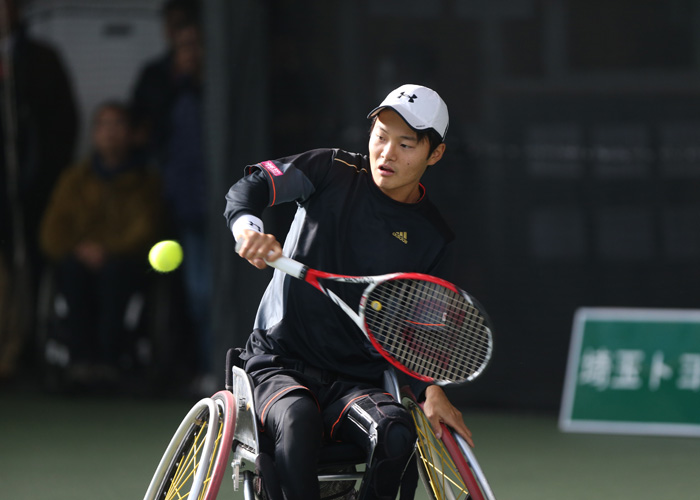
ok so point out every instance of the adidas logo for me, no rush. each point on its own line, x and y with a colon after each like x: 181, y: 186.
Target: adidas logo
x: 402, y: 236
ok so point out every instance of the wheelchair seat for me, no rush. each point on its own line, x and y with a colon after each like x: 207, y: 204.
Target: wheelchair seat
x: 338, y: 462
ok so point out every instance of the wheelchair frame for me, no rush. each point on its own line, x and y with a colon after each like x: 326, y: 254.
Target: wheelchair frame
x: 195, y: 460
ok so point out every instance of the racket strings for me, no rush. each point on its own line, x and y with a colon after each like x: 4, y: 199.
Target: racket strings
x: 429, y: 328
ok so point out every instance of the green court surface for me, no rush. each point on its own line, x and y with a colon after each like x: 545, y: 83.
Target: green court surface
x: 60, y: 448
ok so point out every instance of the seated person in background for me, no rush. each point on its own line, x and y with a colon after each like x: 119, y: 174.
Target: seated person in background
x: 100, y: 222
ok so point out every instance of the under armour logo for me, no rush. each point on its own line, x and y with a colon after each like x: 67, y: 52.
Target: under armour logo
x: 411, y: 98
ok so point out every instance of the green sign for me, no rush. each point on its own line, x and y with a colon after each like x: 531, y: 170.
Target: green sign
x: 633, y: 371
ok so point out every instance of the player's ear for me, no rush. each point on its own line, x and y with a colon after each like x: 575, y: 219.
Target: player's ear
x: 436, y: 155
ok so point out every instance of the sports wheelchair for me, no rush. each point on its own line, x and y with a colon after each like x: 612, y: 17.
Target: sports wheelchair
x: 225, y: 424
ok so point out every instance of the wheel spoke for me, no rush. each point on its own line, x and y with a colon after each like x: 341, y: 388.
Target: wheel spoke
x: 444, y: 478
x: 188, y: 465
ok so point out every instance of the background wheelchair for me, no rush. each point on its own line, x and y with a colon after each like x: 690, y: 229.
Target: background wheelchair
x: 224, y: 425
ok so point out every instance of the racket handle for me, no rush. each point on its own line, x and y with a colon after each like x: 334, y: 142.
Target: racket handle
x: 288, y: 266
x: 284, y: 264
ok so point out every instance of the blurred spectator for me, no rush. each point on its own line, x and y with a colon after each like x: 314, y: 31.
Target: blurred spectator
x: 155, y: 86
x: 173, y: 106
x: 39, y: 129
x: 101, y: 220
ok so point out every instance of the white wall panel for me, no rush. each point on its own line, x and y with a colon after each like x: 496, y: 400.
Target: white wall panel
x: 103, y: 45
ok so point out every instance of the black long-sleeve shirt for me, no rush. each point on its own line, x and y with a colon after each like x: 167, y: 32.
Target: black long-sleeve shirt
x: 344, y: 224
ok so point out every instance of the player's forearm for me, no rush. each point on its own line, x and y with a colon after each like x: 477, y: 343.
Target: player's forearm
x: 248, y: 196
x: 438, y: 408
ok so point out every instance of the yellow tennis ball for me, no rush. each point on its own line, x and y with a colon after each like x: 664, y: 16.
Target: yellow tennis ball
x: 165, y: 256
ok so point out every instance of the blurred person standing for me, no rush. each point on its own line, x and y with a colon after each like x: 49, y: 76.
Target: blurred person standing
x: 102, y: 218
x: 174, y: 110
x: 156, y: 85
x: 185, y: 190
x: 39, y: 129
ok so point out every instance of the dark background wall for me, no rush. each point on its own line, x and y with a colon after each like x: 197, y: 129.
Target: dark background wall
x: 572, y: 170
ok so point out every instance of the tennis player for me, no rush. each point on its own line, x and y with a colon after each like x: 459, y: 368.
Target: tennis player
x: 316, y: 376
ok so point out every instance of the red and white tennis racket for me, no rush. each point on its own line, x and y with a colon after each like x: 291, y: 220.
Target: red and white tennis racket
x: 423, y: 325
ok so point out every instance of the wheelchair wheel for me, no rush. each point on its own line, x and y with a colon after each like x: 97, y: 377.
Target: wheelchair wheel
x: 194, y: 462
x: 443, y: 469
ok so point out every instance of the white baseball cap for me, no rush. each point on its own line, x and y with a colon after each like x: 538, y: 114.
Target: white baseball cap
x: 420, y: 107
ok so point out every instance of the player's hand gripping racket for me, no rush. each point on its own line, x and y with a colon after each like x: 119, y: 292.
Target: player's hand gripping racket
x: 425, y: 326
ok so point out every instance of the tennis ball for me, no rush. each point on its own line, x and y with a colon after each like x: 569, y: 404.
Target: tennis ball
x: 165, y: 256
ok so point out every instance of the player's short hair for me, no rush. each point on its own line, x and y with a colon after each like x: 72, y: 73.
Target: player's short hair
x: 433, y: 138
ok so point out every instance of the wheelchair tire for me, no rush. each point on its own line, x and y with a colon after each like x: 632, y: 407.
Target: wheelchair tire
x: 194, y: 462
x: 445, y: 474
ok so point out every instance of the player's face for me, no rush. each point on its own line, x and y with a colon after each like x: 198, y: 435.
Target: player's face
x: 397, y: 159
